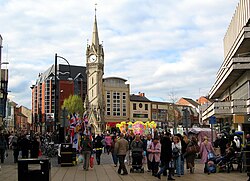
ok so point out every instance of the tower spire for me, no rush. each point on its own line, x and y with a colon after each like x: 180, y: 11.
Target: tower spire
x: 95, y: 38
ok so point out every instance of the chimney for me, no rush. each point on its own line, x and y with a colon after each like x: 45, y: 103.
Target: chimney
x: 141, y: 94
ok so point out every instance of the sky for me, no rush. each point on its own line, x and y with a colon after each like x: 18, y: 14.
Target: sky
x: 167, y: 49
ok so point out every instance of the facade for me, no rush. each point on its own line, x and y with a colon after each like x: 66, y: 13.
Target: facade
x: 116, y: 99
x: 231, y: 91
x: 140, y: 108
x: 71, y: 80
x: 21, y: 121
x: 3, y: 88
x: 9, y: 120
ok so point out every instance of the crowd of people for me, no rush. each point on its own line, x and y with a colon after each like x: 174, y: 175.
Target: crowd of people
x: 162, y: 153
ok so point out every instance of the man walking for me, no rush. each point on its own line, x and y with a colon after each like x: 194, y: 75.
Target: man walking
x: 121, y: 148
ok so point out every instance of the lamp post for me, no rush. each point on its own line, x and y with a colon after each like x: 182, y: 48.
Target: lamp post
x: 56, y: 89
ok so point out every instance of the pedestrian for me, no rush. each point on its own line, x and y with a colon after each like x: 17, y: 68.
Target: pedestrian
x: 112, y: 150
x: 121, y: 149
x: 14, y: 145
x: 98, y: 147
x: 108, y: 140
x: 87, y: 148
x: 176, y: 150
x: 35, y: 146
x: 3, y: 147
x: 137, y: 152
x: 149, y: 141
x: 191, y: 155
x: 166, y: 156
x: 24, y: 146
x: 154, y: 155
x: 205, y: 148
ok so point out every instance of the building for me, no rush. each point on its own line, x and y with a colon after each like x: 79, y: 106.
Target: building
x: 10, y: 122
x: 140, y: 108
x: 230, y: 92
x: 116, y: 99
x: 3, y: 88
x: 101, y: 113
x: 71, y: 80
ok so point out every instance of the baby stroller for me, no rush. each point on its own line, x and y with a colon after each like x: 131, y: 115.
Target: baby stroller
x: 137, y: 162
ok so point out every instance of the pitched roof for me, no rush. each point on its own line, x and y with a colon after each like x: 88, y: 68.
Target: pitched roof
x: 191, y: 101
x: 139, y: 98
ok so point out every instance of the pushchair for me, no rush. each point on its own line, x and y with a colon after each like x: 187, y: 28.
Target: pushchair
x: 137, y: 165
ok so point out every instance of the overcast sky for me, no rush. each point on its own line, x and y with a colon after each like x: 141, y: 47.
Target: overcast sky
x: 164, y: 48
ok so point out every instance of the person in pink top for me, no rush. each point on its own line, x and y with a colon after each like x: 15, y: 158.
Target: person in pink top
x: 205, y: 147
x: 154, y: 151
x: 108, y: 141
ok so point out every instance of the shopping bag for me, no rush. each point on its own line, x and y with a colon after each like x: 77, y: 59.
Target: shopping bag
x: 40, y: 153
x: 91, y: 161
x: 171, y: 164
x: 80, y: 159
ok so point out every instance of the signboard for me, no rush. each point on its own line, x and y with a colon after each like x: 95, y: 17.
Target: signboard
x: 212, y: 120
x: 49, y: 117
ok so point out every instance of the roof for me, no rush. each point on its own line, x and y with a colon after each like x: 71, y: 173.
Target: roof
x: 139, y: 98
x: 107, y: 78
x: 191, y: 101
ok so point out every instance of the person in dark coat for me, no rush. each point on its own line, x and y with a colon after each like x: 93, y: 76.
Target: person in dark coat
x: 14, y: 144
x: 24, y: 146
x: 98, y: 147
x: 35, y: 145
x: 166, y: 156
x: 3, y: 147
x: 190, y: 156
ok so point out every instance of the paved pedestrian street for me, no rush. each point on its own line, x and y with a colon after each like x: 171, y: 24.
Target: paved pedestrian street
x: 107, y: 172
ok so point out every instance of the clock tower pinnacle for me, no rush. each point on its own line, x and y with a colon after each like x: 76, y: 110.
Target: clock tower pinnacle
x: 95, y: 71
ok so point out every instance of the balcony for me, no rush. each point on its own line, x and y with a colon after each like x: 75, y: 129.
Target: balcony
x: 223, y: 109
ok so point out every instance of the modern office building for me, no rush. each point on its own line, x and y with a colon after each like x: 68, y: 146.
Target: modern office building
x: 231, y: 91
x: 71, y: 81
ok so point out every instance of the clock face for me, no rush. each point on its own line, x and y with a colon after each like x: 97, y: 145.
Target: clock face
x: 92, y: 58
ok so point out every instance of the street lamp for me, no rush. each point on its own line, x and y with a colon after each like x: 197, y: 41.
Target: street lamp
x: 55, y: 88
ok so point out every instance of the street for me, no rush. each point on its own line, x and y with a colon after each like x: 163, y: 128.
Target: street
x: 107, y: 172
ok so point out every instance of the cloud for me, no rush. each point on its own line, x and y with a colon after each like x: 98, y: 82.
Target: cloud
x: 159, y: 46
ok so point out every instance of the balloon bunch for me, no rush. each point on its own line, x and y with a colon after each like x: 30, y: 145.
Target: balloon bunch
x: 137, y: 127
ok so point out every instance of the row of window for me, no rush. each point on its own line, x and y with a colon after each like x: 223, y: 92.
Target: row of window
x: 118, y: 101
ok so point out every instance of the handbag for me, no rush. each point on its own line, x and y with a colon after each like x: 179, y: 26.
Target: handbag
x: 175, y: 152
x: 210, y: 154
x: 193, y: 149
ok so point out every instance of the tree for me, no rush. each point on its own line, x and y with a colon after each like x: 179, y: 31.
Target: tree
x: 73, y: 104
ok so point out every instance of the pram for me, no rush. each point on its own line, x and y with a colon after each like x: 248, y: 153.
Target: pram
x: 225, y: 163
x: 137, y: 165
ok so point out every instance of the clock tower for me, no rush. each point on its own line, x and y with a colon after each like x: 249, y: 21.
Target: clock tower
x: 95, y: 71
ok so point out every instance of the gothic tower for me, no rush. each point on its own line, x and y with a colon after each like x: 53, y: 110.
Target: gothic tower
x: 95, y: 71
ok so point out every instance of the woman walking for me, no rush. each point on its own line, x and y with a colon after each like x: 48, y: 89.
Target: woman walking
x: 176, y: 149
x: 192, y: 149
x: 205, y: 148
x: 154, y: 155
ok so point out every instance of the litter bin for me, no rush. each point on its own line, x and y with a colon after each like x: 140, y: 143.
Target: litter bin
x: 66, y: 154
x: 37, y: 169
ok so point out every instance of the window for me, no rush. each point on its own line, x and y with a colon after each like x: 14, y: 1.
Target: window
x: 134, y: 106
x: 146, y: 106
x: 140, y: 105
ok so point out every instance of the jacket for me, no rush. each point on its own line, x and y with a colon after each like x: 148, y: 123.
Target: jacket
x: 154, y: 152
x: 121, y: 147
x: 136, y: 146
